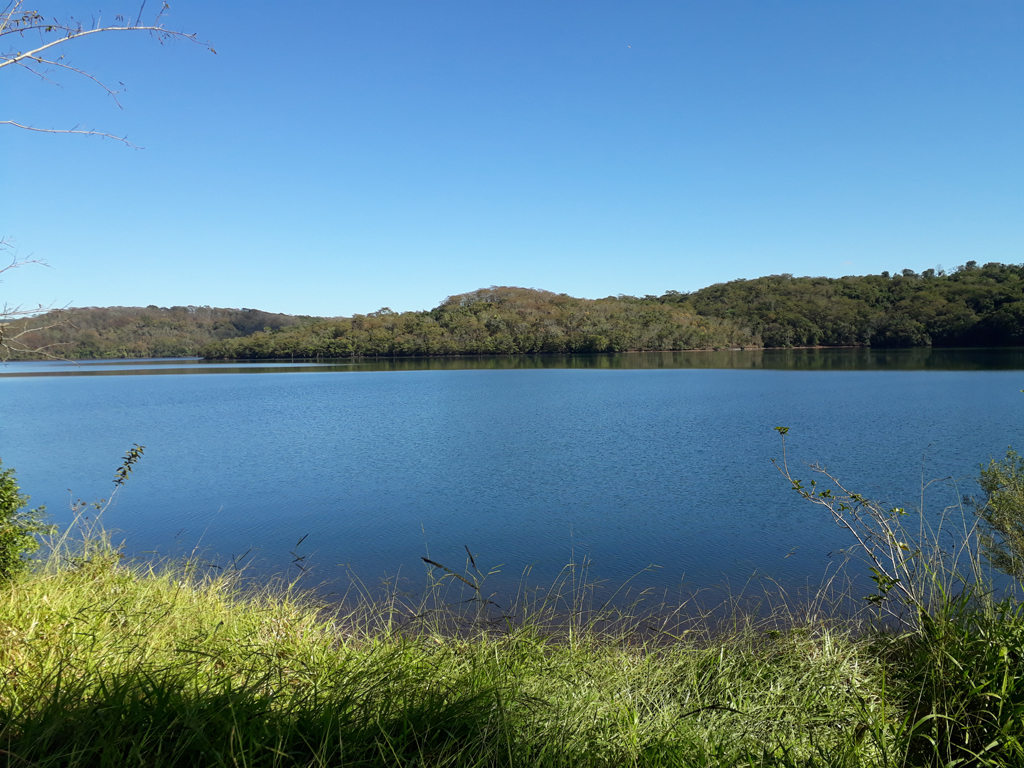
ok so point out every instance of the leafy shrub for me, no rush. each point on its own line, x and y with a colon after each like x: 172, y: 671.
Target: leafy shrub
x: 19, y: 526
x: 1002, y: 513
x: 953, y: 650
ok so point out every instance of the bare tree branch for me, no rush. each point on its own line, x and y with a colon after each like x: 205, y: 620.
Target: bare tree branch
x: 13, y: 343
x: 122, y: 139
x: 18, y: 332
x: 15, y: 325
x: 72, y: 33
x: 58, y: 63
x: 16, y: 20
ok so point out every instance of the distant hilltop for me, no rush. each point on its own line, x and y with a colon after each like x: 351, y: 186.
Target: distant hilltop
x: 122, y: 332
x: 970, y: 306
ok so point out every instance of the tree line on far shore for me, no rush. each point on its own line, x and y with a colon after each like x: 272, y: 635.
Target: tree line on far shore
x: 496, y: 321
x: 971, y: 306
x: 134, y: 332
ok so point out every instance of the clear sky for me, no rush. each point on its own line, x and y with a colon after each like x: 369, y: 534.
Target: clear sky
x: 338, y: 157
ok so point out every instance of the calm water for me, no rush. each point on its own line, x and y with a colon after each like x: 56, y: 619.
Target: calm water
x: 630, y: 460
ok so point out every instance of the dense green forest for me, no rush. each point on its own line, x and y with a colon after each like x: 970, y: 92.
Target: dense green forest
x: 117, y: 332
x: 972, y: 306
x: 497, y: 321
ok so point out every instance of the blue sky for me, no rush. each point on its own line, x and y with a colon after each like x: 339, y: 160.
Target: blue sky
x: 337, y: 157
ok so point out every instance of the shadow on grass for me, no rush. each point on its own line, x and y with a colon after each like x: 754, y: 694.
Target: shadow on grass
x: 164, y: 719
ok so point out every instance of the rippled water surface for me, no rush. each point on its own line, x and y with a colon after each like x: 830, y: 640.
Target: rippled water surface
x: 628, y: 460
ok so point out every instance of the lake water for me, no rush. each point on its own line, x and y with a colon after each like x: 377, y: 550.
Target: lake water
x: 629, y: 461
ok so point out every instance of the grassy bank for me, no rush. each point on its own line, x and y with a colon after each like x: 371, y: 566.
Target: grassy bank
x: 109, y: 663
x: 103, y: 663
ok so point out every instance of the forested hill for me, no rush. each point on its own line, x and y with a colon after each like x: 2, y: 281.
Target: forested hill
x: 497, y: 320
x: 110, y: 332
x: 972, y: 306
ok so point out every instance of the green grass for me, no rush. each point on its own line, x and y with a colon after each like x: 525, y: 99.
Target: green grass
x: 102, y: 663
x: 107, y: 663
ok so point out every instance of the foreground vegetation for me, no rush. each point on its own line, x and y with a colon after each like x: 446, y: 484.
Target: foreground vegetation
x: 108, y: 664
x: 105, y: 665
x: 105, y: 662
